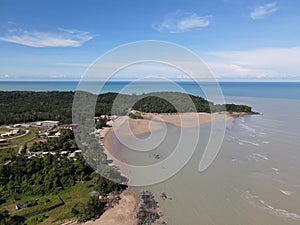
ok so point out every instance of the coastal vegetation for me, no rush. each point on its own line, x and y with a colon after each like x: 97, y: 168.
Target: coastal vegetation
x: 135, y: 115
x: 44, y: 177
x: 26, y: 106
x: 40, y: 182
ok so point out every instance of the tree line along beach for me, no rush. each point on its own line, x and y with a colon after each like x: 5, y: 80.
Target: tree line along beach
x: 28, y: 107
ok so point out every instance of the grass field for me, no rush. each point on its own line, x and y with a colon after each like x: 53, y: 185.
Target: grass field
x: 12, y: 146
x: 4, y: 130
x: 71, y: 196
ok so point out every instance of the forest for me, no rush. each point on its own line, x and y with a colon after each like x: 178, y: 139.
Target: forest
x: 26, y: 106
x: 22, y: 176
x: 42, y: 175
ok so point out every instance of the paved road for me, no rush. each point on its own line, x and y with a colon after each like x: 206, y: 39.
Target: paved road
x: 22, y: 135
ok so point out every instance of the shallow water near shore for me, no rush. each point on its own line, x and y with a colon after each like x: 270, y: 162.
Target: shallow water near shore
x: 254, y: 179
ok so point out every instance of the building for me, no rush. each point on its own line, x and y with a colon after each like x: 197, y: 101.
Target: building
x: 47, y: 123
x: 70, y: 126
x: 50, y: 123
x: 10, y: 133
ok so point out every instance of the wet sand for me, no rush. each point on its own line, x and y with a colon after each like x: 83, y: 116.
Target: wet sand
x: 253, y: 179
x: 126, y: 210
x: 154, y: 121
x: 122, y: 214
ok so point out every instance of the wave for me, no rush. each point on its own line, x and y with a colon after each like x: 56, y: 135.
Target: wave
x: 257, y: 157
x: 259, y: 203
x: 288, y: 193
x: 246, y: 127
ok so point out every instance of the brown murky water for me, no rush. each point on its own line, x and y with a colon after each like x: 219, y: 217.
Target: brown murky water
x: 254, y: 180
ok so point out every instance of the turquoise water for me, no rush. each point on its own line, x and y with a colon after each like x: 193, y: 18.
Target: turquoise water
x: 289, y: 90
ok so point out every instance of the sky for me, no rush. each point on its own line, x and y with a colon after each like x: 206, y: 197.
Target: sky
x: 238, y: 40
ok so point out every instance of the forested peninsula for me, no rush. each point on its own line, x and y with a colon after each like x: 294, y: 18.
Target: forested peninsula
x: 27, y: 106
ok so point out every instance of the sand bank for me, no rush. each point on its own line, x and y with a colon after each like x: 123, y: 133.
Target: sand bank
x: 125, y: 212
x: 153, y: 122
x: 122, y: 214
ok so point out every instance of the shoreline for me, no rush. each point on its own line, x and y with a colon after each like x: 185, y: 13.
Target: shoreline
x: 126, y: 127
x: 152, y: 122
x: 122, y: 214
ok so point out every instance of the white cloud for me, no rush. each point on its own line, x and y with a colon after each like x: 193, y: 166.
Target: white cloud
x: 257, y: 63
x: 262, y: 11
x: 61, y: 38
x: 179, y: 22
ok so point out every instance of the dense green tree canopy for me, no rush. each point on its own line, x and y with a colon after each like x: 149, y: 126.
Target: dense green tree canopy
x: 24, y: 106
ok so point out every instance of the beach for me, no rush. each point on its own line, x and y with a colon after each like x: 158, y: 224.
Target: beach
x: 251, y: 181
x: 125, y: 128
x: 152, y: 122
x: 124, y: 213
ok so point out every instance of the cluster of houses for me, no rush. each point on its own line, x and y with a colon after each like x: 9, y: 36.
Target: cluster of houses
x: 10, y: 133
x: 112, y: 117
x: 69, y: 154
x: 47, y: 134
x: 48, y: 125
x: 25, y: 125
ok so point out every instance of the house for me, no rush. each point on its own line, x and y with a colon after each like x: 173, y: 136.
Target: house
x: 10, y: 133
x: 20, y: 205
x: 30, y: 155
x: 50, y: 123
x: 70, y: 126
x: 15, y: 131
x: 39, y: 123
x: 73, y: 154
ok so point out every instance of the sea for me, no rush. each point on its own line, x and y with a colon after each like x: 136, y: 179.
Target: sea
x: 255, y: 178
x: 286, y: 90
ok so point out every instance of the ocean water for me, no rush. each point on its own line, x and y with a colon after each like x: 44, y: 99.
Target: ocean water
x: 255, y: 179
x: 286, y: 90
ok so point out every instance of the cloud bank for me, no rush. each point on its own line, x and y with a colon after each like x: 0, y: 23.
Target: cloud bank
x: 61, y: 38
x: 260, y: 63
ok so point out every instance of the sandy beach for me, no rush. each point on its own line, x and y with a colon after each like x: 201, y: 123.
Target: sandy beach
x: 124, y: 212
x: 153, y: 122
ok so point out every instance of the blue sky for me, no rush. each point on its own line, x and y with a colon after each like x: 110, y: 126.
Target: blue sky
x: 239, y: 40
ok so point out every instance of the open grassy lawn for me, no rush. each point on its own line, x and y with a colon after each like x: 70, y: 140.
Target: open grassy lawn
x: 71, y: 196
x: 24, y: 139
x: 12, y: 146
